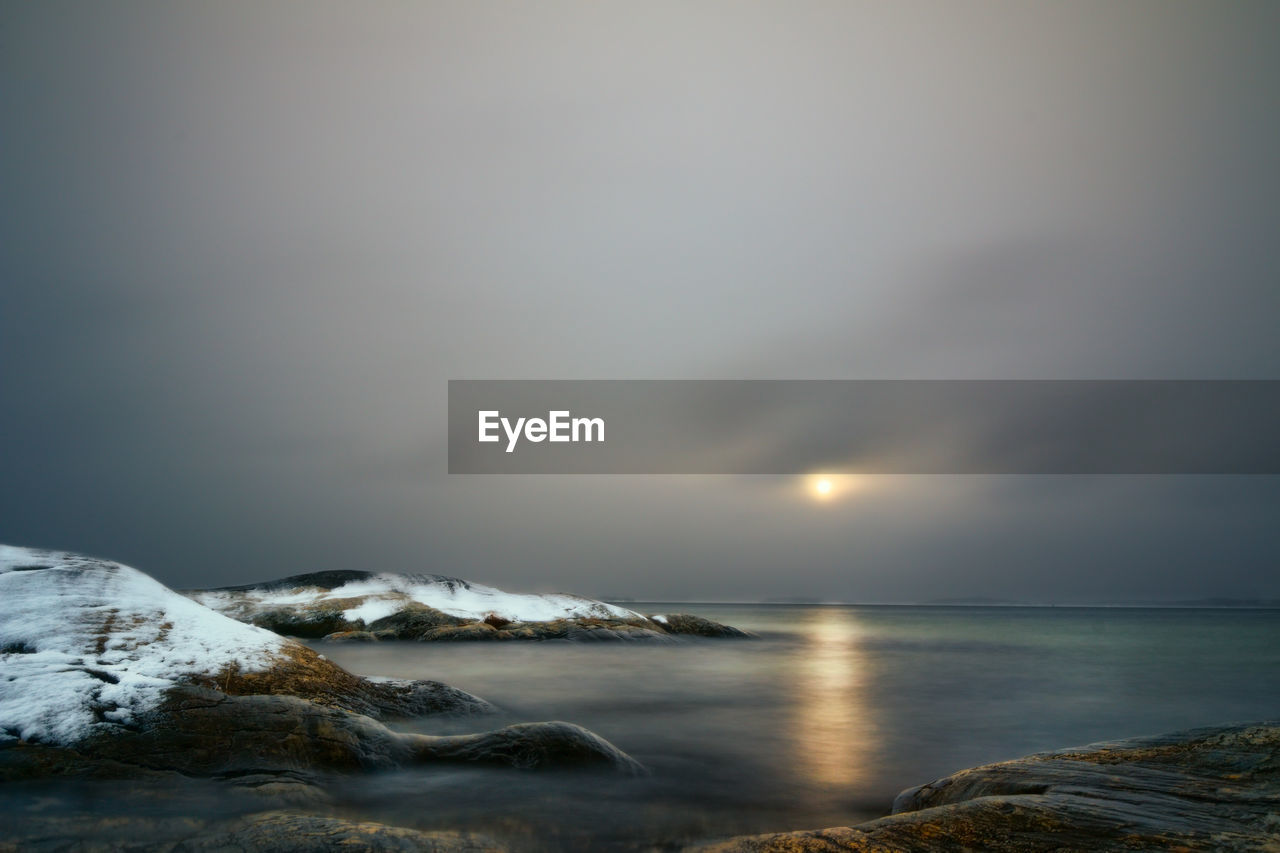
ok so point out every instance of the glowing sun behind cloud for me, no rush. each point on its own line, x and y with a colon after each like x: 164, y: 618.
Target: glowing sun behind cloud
x: 826, y: 487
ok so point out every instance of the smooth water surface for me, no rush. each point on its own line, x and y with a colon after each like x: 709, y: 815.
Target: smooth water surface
x: 819, y: 722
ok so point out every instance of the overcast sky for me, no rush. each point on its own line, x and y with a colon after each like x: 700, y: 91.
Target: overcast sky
x: 244, y: 245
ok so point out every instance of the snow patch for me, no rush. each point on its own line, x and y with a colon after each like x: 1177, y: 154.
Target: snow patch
x: 88, y: 644
x: 377, y: 596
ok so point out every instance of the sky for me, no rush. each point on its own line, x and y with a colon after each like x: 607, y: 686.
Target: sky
x: 245, y: 245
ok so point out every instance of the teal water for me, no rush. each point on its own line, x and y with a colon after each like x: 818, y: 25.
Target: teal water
x: 819, y: 722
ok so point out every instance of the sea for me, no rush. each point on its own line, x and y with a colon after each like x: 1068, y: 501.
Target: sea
x: 819, y: 721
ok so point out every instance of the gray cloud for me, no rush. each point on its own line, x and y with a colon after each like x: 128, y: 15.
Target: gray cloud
x: 245, y: 245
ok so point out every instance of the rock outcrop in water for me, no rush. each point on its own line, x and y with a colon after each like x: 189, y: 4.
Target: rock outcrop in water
x: 104, y: 673
x: 1215, y: 789
x: 201, y: 732
x: 349, y: 606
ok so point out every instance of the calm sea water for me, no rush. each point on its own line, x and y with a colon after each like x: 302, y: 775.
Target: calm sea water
x: 820, y: 722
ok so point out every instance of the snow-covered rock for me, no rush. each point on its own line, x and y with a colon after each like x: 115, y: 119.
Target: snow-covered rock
x: 366, y: 597
x: 106, y: 672
x: 89, y: 644
x: 354, y: 606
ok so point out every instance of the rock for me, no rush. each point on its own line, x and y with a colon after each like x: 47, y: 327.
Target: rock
x: 685, y: 623
x: 300, y: 671
x: 532, y: 746
x: 426, y: 624
x: 323, y: 603
x: 310, y: 623
x: 203, y: 733
x: 469, y: 631
x: 414, y: 620
x: 354, y: 637
x: 275, y: 831
x: 1215, y: 789
x: 109, y: 674
x: 582, y: 630
x: 317, y: 580
x: 351, y: 637
x: 361, y: 607
x: 281, y: 832
x: 496, y: 621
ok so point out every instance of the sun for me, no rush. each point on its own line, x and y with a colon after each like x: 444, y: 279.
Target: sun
x: 823, y: 487
x: 830, y: 488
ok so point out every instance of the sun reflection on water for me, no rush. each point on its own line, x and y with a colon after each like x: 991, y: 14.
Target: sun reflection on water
x: 833, y: 732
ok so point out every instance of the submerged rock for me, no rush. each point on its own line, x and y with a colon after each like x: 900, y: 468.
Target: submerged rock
x: 1214, y: 789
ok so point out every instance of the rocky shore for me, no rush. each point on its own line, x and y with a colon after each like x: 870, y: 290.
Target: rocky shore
x: 1212, y: 789
x: 105, y: 673
x: 353, y: 606
x: 116, y: 690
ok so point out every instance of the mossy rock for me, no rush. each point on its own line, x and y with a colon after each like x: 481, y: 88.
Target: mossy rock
x: 464, y: 632
x: 413, y: 621
x: 309, y: 623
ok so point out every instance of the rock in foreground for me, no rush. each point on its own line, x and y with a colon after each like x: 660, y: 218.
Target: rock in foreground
x: 205, y: 733
x: 104, y: 672
x: 1212, y: 789
x: 366, y: 607
x: 274, y: 831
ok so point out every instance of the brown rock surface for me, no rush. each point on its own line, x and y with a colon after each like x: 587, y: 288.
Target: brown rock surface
x: 204, y: 733
x: 304, y: 673
x: 267, y: 832
x: 1212, y: 789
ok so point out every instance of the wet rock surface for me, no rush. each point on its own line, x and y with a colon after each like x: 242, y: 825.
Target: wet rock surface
x: 276, y: 831
x: 288, y: 833
x: 204, y: 733
x: 1215, y: 789
x: 530, y: 746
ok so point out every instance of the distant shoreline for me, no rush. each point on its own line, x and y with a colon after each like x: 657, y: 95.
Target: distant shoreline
x: 1009, y: 605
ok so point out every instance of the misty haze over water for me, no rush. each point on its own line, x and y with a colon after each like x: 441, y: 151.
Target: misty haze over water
x: 822, y: 720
